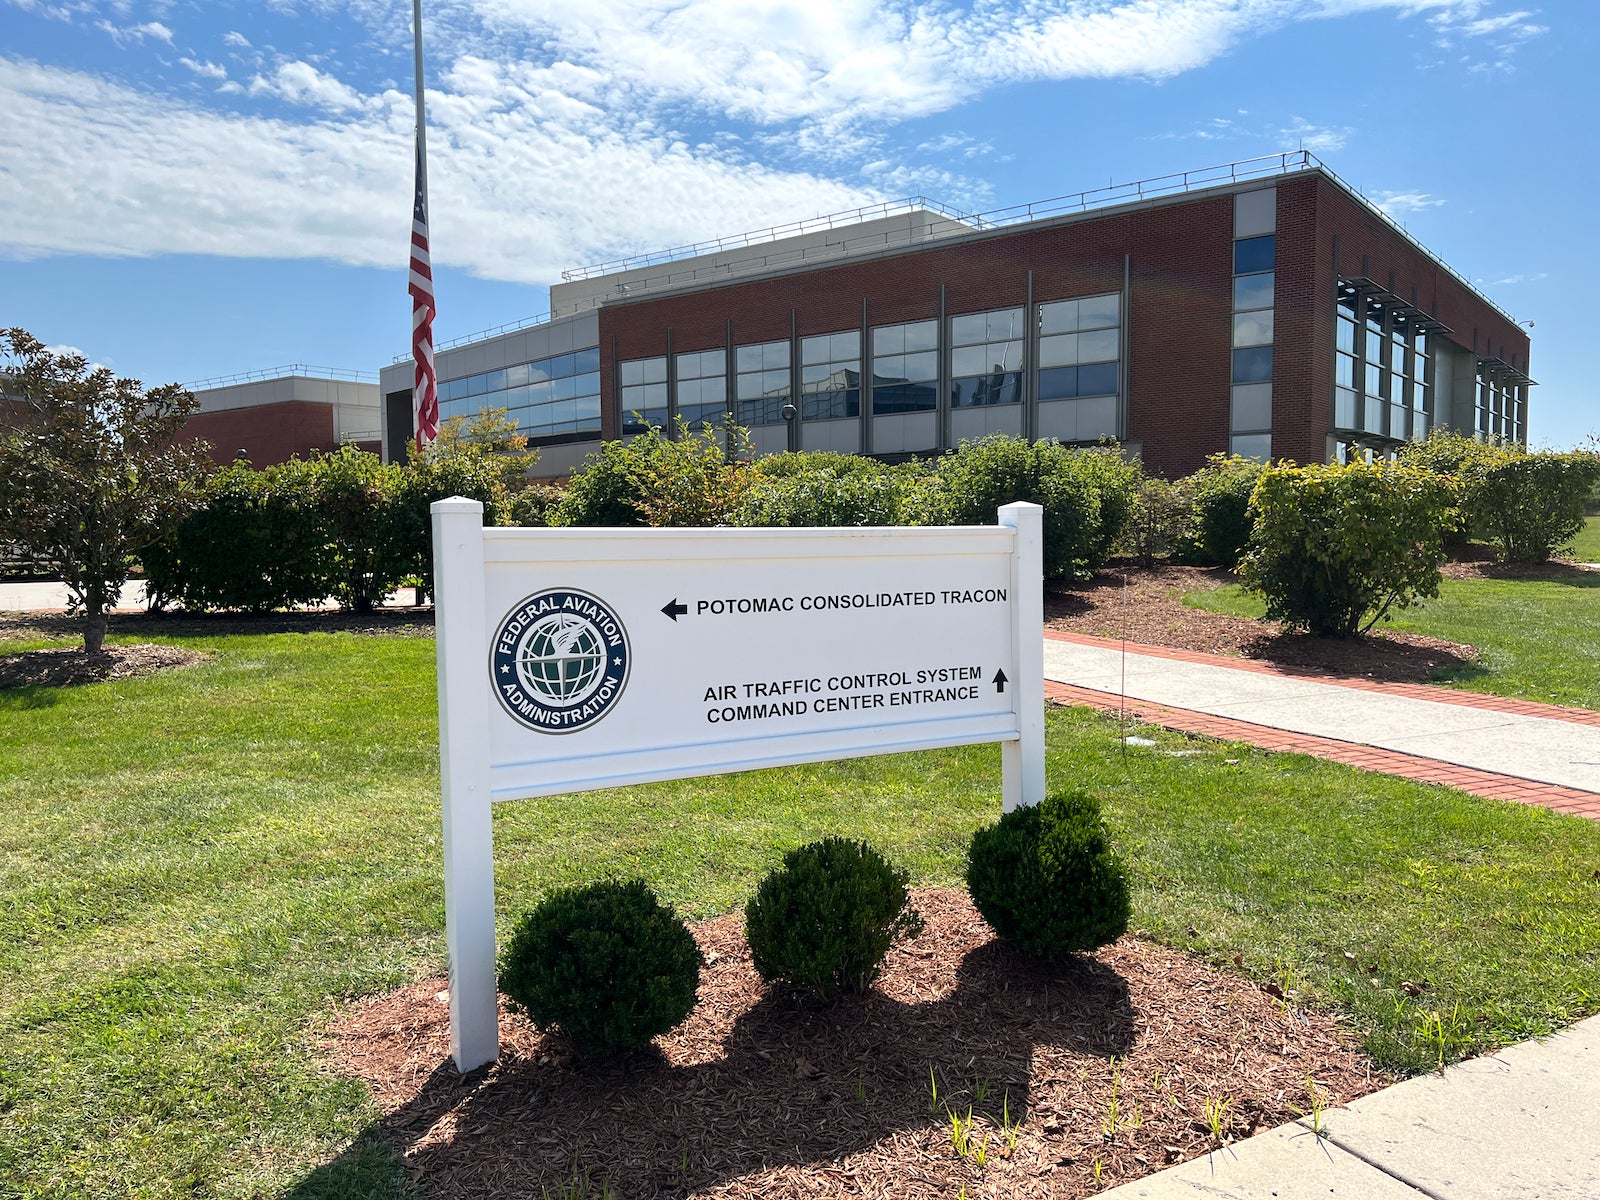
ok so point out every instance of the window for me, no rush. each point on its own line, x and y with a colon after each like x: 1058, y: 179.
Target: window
x: 548, y: 397
x: 1251, y: 255
x: 905, y: 368
x: 1080, y: 349
x: 702, y: 383
x: 830, y: 376
x: 644, y: 394
x: 1253, y: 365
x: 986, y: 358
x: 761, y: 383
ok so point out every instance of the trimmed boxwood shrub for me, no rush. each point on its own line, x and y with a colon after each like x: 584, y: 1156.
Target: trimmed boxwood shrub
x: 824, y: 920
x: 607, y: 965
x: 1222, y: 518
x: 1047, y: 878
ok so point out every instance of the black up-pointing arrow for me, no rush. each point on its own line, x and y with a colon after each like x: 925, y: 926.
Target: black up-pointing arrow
x: 674, y: 610
x: 999, y: 681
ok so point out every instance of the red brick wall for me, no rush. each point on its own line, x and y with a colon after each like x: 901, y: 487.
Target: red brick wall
x: 269, y: 433
x: 1181, y: 266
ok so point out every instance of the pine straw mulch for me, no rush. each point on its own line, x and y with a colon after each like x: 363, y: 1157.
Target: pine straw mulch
x: 758, y: 1094
x: 70, y: 666
x: 1150, y: 610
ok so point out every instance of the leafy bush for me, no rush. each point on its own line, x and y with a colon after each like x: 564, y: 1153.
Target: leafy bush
x: 1086, y: 495
x: 695, y: 479
x: 823, y: 489
x: 1457, y: 455
x: 1161, y: 524
x: 1529, y: 505
x: 824, y: 920
x: 1047, y: 878
x: 606, y: 490
x: 1222, y: 516
x: 1335, y: 548
x: 533, y: 505
x: 607, y: 965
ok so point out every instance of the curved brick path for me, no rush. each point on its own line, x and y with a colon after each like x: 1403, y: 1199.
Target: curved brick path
x: 1296, y: 718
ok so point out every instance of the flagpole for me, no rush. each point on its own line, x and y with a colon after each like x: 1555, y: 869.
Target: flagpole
x: 422, y: 111
x: 425, y: 389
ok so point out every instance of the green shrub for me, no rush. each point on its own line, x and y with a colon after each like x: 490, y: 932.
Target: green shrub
x: 608, y: 966
x: 1047, y: 878
x: 605, y: 490
x: 1335, y: 548
x: 531, y: 507
x: 1086, y: 495
x: 1161, y: 524
x: 824, y: 920
x: 1446, y: 452
x: 1222, y: 516
x: 1529, y: 505
x: 822, y: 489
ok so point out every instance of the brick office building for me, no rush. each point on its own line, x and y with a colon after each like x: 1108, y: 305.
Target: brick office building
x: 1263, y: 308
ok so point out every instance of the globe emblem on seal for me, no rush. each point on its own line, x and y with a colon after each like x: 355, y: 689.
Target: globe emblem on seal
x: 559, y: 660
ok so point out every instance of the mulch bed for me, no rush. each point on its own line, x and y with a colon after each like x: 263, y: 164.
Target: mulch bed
x: 70, y: 667
x: 758, y: 1094
x: 1146, y: 606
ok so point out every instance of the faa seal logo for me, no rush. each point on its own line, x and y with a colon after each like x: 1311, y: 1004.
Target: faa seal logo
x: 560, y: 660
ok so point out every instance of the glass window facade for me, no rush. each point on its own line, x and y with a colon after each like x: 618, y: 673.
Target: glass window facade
x: 1382, y: 371
x: 548, y: 397
x: 701, y: 378
x: 986, y: 358
x: 1250, y: 397
x: 830, y: 376
x: 905, y: 368
x: 1500, y: 411
x: 1080, y: 351
x: 644, y: 394
x: 761, y: 383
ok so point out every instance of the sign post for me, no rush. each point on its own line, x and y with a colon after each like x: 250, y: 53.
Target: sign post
x: 575, y: 659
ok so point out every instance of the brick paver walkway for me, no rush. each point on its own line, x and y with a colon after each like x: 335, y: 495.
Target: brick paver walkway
x: 1370, y: 758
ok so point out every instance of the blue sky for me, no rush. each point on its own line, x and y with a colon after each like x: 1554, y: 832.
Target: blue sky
x: 191, y: 188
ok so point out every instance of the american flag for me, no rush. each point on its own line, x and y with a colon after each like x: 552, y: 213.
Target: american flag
x: 425, y: 385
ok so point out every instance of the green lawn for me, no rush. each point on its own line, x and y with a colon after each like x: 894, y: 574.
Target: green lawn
x: 1586, y: 546
x: 195, y: 867
x: 1539, y: 639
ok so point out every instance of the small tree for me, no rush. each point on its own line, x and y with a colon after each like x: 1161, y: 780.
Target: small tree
x: 489, y: 434
x: 92, y: 473
x: 1335, y: 548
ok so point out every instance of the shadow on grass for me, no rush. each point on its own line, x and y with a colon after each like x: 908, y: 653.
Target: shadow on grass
x: 790, y: 1085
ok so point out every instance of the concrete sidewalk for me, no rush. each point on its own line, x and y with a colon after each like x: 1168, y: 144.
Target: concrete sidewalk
x: 47, y: 597
x: 1520, y: 1123
x: 1539, y: 748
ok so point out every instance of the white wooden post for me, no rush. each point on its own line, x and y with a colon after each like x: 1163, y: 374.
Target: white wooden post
x: 1022, y: 762
x: 462, y: 650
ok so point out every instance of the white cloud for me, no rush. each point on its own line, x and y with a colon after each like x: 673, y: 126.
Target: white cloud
x: 524, y: 180
x: 1319, y: 139
x: 206, y: 70
x: 1398, y: 204
x: 124, y: 34
x: 301, y: 83
x: 1511, y: 280
x: 234, y: 38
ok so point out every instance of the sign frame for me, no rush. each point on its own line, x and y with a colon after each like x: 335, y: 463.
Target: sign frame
x: 464, y: 552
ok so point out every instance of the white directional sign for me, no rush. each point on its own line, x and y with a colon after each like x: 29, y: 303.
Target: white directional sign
x: 573, y: 659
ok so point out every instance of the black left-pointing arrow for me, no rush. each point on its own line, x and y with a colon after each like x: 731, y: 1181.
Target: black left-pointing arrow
x: 999, y: 681
x: 673, y: 609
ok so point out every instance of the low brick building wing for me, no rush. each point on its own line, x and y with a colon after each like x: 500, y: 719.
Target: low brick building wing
x: 270, y: 416
x: 1263, y: 308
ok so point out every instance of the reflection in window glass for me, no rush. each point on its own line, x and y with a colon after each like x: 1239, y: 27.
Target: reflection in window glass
x: 830, y: 376
x: 702, y: 383
x: 548, y: 397
x: 762, y: 383
x: 1253, y: 291
x: 644, y: 394
x: 986, y: 358
x: 1253, y: 328
x: 905, y: 368
x: 1251, y: 445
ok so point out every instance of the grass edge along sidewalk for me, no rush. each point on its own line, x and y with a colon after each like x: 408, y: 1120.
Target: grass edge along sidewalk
x: 197, y: 866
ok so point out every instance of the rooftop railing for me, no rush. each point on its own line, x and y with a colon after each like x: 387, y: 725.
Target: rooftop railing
x: 283, y: 372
